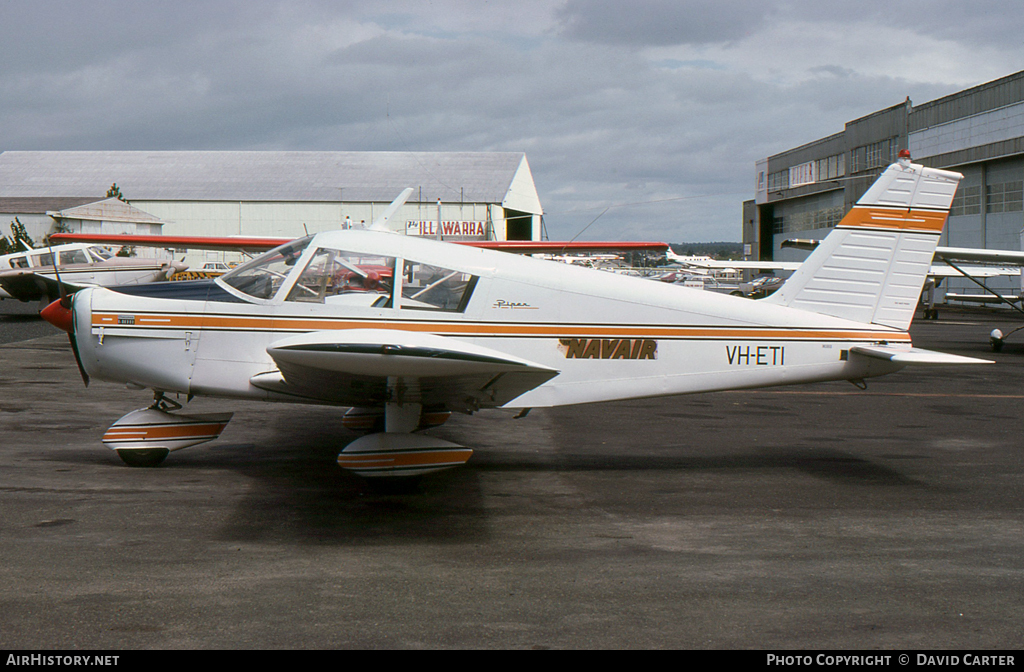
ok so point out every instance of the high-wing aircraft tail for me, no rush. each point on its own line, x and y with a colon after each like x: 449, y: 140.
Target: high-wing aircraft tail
x: 872, y: 267
x: 381, y: 223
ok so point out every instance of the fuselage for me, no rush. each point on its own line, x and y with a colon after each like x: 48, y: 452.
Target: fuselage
x: 609, y: 336
x: 79, y: 264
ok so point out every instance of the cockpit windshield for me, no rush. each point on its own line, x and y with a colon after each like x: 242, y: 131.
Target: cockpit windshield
x: 262, y: 277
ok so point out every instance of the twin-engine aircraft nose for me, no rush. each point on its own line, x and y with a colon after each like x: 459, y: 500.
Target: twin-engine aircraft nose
x: 59, y: 315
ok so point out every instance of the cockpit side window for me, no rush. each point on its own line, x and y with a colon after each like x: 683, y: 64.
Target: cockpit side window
x: 73, y: 257
x: 263, y: 276
x: 428, y: 287
x: 340, y: 276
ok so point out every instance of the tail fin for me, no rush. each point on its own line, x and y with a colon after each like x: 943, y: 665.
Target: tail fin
x: 381, y: 223
x: 872, y: 267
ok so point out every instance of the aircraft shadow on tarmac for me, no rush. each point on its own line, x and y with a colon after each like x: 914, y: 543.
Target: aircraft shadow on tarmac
x: 299, y: 494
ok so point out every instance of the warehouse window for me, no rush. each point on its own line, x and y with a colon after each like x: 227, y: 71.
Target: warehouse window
x: 818, y: 211
x: 880, y: 154
x: 831, y: 167
x: 1004, y: 197
x: 778, y: 180
x: 857, y: 159
x: 966, y: 202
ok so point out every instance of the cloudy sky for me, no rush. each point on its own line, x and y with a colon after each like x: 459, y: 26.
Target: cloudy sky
x: 640, y: 120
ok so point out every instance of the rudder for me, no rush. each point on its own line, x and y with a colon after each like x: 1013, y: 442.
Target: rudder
x: 872, y: 267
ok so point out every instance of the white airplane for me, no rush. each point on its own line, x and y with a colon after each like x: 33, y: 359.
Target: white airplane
x: 960, y: 262
x: 33, y: 275
x: 937, y: 271
x: 405, y: 331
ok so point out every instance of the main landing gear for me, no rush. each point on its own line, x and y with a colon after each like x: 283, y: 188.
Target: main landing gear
x: 396, y: 457
x: 392, y: 458
x: 397, y: 453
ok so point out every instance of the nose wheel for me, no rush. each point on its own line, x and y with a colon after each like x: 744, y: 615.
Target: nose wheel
x: 143, y: 457
x: 143, y: 438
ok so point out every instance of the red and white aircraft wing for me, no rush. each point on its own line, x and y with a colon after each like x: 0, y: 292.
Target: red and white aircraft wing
x: 262, y: 244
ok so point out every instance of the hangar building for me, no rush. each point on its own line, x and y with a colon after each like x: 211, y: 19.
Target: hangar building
x: 483, y: 196
x: 803, y: 192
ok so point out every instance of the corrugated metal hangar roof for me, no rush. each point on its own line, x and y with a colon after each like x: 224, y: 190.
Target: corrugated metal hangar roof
x: 107, y: 210
x: 482, y: 177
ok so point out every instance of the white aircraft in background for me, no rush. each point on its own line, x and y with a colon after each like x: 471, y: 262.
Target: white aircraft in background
x: 32, y: 275
x: 963, y: 262
x: 935, y: 271
x: 404, y: 331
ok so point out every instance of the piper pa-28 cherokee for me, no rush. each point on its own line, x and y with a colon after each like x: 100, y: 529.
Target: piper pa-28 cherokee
x: 405, y: 331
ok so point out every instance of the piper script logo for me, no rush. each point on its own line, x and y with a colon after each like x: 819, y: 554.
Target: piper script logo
x: 513, y: 305
x: 609, y: 348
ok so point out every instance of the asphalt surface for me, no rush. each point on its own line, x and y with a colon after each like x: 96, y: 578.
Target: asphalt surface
x: 20, y: 321
x: 819, y: 516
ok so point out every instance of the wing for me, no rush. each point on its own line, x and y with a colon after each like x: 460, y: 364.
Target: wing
x: 353, y: 368
x: 262, y: 244
x: 558, y: 247
x: 740, y: 265
x: 228, y: 243
x: 30, y: 286
x: 947, y: 271
x: 981, y: 256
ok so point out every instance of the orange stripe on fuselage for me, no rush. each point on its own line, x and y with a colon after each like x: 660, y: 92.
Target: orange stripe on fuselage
x: 478, y: 329
x: 895, y: 218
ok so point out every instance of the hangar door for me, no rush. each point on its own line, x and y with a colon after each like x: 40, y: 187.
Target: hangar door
x: 518, y: 225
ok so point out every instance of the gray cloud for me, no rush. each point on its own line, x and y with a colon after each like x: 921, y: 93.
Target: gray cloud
x: 666, y: 140
x: 982, y: 23
x: 659, y: 22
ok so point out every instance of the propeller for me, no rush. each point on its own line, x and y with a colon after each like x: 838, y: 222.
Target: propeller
x: 169, y: 268
x: 61, y: 314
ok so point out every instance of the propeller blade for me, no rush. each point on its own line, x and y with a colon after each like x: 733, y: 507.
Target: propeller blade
x: 63, y: 317
x: 62, y: 291
x: 78, y: 358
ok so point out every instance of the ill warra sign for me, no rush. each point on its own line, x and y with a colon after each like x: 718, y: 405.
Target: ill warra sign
x: 452, y: 229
